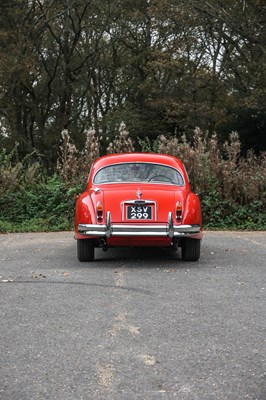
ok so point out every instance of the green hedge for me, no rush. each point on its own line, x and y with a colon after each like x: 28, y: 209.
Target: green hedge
x: 50, y: 206
x: 232, y: 189
x: 45, y: 207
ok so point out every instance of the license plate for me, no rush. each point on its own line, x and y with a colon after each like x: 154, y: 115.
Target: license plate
x: 139, y: 212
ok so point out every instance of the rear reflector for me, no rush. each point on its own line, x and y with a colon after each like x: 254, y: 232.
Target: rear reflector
x: 178, y: 211
x: 99, y: 211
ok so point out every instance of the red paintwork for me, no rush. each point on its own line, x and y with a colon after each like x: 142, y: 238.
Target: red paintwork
x: 112, y: 195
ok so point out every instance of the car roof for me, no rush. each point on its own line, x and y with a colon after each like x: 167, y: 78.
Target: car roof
x: 137, y: 157
x: 155, y: 158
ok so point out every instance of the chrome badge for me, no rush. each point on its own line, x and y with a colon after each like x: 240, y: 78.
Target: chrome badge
x: 139, y: 194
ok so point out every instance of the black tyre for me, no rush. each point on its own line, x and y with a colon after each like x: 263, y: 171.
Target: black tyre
x: 190, y: 249
x: 85, y: 249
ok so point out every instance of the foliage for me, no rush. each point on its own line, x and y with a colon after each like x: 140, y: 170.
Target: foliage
x: 161, y: 66
x: 122, y: 142
x: 224, y: 170
x: 29, y: 199
x: 46, y: 207
x: 73, y: 167
x: 232, y: 188
x: 149, y: 146
x: 67, y: 162
x: 19, y: 174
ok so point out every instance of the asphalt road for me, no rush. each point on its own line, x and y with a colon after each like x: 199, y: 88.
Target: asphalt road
x: 133, y: 324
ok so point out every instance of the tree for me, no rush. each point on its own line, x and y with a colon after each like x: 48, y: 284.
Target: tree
x: 161, y: 66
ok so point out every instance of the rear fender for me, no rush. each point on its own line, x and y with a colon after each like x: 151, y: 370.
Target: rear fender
x: 84, y: 212
x: 192, y: 213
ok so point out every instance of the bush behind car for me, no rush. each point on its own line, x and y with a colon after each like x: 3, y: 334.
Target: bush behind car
x: 232, y: 188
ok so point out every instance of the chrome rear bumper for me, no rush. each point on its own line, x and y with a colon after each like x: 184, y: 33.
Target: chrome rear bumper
x: 137, y: 229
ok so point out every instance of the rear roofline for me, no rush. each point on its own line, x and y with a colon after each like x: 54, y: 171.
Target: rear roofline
x: 164, y: 159
x: 137, y: 157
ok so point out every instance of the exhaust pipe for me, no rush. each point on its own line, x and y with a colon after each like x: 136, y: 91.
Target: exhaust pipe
x: 103, y: 244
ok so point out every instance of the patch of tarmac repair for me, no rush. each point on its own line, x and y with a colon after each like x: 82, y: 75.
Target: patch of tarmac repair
x: 148, y: 360
x: 121, y: 325
x: 105, y: 376
x: 120, y: 278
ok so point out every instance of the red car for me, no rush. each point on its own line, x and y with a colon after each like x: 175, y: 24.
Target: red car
x: 138, y: 199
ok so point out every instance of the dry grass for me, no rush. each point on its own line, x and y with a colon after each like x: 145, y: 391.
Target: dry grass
x: 221, y: 169
x: 212, y: 168
x: 122, y: 142
x: 74, y: 166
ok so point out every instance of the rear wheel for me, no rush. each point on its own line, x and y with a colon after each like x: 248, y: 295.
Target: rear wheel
x: 85, y: 249
x: 190, y: 249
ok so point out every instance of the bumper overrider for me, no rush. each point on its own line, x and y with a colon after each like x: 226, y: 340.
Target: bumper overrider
x: 137, y: 229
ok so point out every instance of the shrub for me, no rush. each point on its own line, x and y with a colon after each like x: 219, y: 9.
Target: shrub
x: 29, y: 200
x: 147, y: 146
x: 49, y: 206
x: 74, y: 166
x: 232, y: 188
x: 122, y: 142
x: 67, y: 162
x: 19, y: 175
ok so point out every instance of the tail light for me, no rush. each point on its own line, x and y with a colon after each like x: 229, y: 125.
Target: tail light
x: 99, y: 211
x: 178, y: 211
